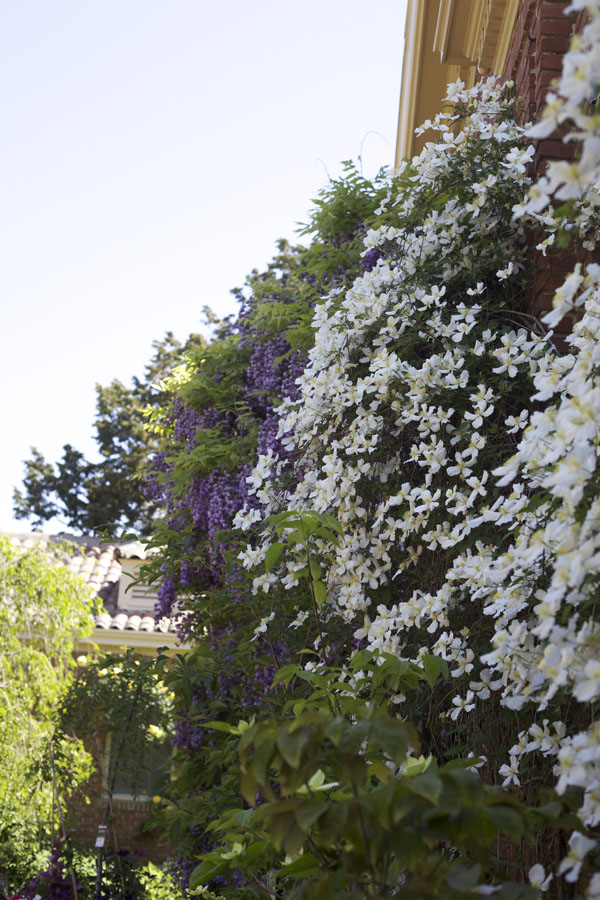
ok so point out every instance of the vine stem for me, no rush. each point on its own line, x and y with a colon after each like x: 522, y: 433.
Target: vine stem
x: 263, y: 887
x: 363, y: 832
x: 336, y: 704
x: 271, y: 646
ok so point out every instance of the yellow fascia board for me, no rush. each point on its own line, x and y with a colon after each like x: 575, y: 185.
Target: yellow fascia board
x: 110, y: 640
x: 410, y: 84
x: 445, y: 39
x: 424, y: 76
x: 504, y: 38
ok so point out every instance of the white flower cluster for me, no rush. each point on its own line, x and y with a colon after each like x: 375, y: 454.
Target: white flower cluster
x: 457, y: 449
x: 373, y: 410
x: 573, y: 103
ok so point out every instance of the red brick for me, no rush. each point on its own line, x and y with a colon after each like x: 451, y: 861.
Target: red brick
x: 552, y: 8
x: 554, y: 148
x: 545, y: 79
x: 555, y: 262
x: 551, y: 61
x: 125, y: 824
x: 560, y: 343
x: 565, y: 326
x: 539, y: 301
x: 555, y: 27
x: 581, y: 20
x: 524, y: 71
x: 548, y: 283
x: 553, y: 44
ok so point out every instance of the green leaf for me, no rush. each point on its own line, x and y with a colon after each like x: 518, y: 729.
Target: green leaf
x: 186, y: 684
x: 208, y: 869
x: 416, y: 765
x: 428, y: 785
x: 243, y: 816
x: 551, y: 810
x: 329, y: 536
x: 315, y: 569
x: 174, y: 832
x: 273, y: 555
x: 248, y: 787
x: 291, y: 744
x: 351, y: 769
x: 301, y: 867
x: 285, y: 674
x: 320, y: 593
x: 308, y: 813
x: 277, y: 518
x: 333, y: 823
x: 222, y: 726
x: 434, y: 667
x: 261, y: 760
x: 462, y: 763
x: 507, y: 819
x: 392, y: 736
x: 289, y: 522
x: 463, y: 879
x: 329, y: 521
x: 284, y: 830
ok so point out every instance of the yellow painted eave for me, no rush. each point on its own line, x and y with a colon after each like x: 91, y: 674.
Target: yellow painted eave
x: 444, y: 40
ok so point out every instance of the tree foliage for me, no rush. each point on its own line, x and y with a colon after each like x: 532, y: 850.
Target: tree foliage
x: 44, y: 611
x: 119, y: 696
x: 92, y: 496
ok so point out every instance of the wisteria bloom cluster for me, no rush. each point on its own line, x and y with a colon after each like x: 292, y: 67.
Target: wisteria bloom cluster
x: 456, y: 447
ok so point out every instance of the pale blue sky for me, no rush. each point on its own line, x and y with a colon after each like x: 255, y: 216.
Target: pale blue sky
x: 151, y: 154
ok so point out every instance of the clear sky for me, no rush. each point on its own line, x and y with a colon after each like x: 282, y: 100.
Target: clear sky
x: 151, y: 153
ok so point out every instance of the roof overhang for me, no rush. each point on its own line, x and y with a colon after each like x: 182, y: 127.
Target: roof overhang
x: 445, y: 40
x: 148, y: 641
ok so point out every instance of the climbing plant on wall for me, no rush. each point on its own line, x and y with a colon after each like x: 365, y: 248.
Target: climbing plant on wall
x: 414, y: 572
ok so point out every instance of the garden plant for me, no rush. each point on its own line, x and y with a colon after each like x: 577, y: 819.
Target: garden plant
x: 399, y: 619
x: 382, y: 527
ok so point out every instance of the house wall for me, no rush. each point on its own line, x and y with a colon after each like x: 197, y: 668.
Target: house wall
x: 520, y: 40
x: 125, y: 821
x: 124, y: 827
x: 541, y: 36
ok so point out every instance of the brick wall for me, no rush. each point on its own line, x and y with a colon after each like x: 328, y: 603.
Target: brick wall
x: 124, y: 830
x: 541, y: 37
x: 125, y: 820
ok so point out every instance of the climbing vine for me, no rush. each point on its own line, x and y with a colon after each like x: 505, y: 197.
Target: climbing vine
x: 401, y: 580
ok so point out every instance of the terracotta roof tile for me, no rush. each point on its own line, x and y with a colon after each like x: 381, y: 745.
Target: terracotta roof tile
x: 125, y: 621
x: 103, y: 620
x: 119, y: 620
x: 98, y: 565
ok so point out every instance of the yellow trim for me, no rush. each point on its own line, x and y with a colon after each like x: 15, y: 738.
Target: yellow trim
x: 413, y: 43
x: 472, y: 33
x: 445, y: 39
x: 505, y: 36
x: 442, y: 28
x: 141, y: 641
x: 424, y: 75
